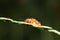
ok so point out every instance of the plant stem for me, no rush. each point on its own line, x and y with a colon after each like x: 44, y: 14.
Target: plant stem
x: 50, y: 29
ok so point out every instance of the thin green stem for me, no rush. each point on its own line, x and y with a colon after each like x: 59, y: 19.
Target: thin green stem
x: 50, y: 29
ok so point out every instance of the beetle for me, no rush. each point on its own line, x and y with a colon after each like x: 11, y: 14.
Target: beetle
x: 33, y: 21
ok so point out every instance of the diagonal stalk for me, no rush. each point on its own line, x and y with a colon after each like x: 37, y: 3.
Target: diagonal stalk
x: 50, y: 29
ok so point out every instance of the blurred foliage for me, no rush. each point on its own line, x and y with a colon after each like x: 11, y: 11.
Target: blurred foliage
x: 46, y: 11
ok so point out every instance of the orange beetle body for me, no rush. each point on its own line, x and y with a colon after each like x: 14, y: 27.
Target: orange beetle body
x: 33, y: 21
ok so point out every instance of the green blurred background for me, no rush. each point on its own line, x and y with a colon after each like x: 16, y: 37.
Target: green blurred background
x: 46, y: 11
